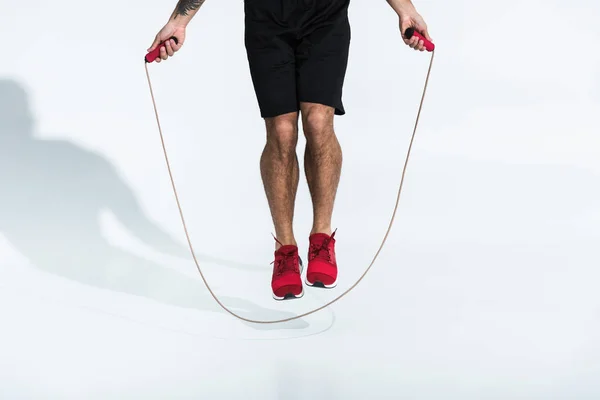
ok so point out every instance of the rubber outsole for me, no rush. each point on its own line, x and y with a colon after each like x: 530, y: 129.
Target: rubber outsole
x: 320, y: 285
x: 288, y: 296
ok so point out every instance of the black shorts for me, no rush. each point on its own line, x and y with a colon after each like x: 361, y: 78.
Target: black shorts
x: 297, y: 52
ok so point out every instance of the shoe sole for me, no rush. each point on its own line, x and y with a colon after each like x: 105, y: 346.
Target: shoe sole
x: 289, y: 296
x: 320, y: 285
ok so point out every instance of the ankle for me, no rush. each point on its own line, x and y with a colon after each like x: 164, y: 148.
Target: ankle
x: 321, y: 229
x: 285, y: 241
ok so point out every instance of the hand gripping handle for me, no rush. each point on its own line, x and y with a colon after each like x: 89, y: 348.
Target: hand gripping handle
x: 410, y: 32
x: 154, y: 54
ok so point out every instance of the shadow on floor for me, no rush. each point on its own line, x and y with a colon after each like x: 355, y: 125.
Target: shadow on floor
x: 53, y: 193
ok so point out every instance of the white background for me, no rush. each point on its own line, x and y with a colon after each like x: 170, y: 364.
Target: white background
x: 486, y: 289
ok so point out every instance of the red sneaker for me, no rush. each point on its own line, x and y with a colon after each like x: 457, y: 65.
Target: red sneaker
x: 286, y: 282
x: 322, y: 265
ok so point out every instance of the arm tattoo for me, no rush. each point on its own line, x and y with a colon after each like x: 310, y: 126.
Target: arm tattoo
x: 184, y: 6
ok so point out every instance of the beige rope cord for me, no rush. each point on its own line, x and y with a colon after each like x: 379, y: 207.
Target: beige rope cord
x: 376, y: 254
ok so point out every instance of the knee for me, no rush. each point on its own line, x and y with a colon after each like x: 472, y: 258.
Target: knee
x: 282, y: 132
x: 317, y: 123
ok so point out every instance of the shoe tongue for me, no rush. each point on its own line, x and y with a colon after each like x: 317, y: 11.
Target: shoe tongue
x: 318, y: 238
x: 287, y: 249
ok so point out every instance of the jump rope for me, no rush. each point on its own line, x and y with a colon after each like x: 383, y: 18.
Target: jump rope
x: 153, y: 55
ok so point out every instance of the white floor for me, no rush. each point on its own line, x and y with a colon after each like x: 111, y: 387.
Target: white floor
x: 487, y: 288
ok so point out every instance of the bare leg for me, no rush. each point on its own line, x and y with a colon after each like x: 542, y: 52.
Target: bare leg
x: 322, y: 162
x: 280, y: 173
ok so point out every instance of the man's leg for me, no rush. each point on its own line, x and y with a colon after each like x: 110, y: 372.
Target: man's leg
x: 280, y: 173
x: 322, y: 58
x: 271, y: 55
x: 323, y: 167
x: 322, y: 163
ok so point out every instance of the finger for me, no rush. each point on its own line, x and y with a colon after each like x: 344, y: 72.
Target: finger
x: 163, y: 53
x: 421, y: 45
x: 423, y: 30
x: 169, y: 48
x: 158, y: 60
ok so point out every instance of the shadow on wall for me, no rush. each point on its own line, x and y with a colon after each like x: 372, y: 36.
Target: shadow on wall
x: 53, y: 193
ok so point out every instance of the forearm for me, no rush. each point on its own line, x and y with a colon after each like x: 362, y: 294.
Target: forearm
x: 185, y: 11
x: 401, y: 6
